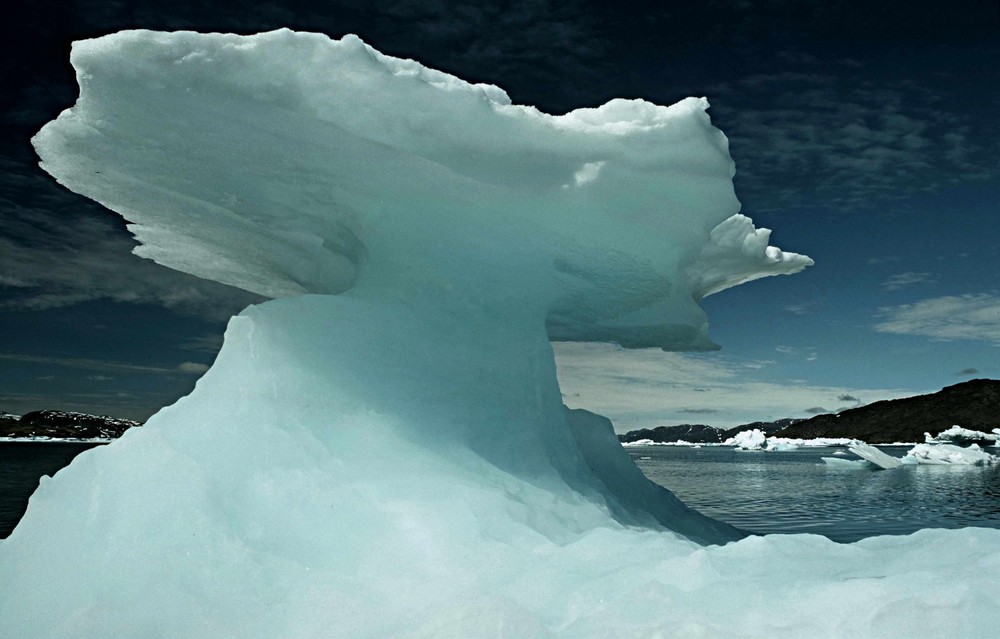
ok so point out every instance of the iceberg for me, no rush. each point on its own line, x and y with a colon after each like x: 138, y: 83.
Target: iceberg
x: 381, y: 449
x: 939, y: 454
x: 875, y: 456
x: 748, y: 440
x: 959, y: 436
x: 756, y: 439
x: 931, y: 454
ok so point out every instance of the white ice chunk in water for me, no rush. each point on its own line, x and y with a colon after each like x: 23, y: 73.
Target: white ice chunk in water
x: 755, y: 439
x: 875, y: 456
x: 748, y: 440
x: 950, y: 454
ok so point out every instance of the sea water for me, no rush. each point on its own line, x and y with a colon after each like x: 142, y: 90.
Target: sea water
x: 759, y: 491
x: 795, y: 492
x: 22, y: 464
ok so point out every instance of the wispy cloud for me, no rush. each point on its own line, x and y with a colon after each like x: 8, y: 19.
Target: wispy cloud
x: 647, y: 388
x: 529, y: 44
x: 833, y: 140
x: 903, y: 280
x: 807, y: 353
x: 103, y: 365
x: 193, y: 368
x: 208, y: 343
x: 952, y: 317
x: 803, y: 308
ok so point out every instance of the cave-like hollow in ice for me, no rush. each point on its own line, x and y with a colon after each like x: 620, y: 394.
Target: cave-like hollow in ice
x: 381, y: 450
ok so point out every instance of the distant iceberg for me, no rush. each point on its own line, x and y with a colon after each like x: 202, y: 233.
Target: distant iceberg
x: 381, y: 450
x: 963, y: 436
x: 938, y: 454
x: 755, y: 439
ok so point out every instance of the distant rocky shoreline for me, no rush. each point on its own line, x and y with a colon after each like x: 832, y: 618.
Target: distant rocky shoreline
x: 55, y: 424
x: 700, y: 433
x: 974, y: 405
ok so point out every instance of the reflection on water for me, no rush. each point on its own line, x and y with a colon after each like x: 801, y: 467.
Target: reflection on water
x: 794, y: 492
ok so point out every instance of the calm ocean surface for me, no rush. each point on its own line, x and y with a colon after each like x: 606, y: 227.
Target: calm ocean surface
x: 21, y: 466
x: 794, y: 492
x: 762, y: 492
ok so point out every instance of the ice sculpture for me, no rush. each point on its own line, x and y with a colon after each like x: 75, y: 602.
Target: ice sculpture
x: 381, y: 450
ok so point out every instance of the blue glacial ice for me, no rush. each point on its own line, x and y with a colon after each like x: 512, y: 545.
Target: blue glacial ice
x: 381, y: 450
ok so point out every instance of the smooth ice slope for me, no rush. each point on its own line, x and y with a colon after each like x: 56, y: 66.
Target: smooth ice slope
x: 384, y: 452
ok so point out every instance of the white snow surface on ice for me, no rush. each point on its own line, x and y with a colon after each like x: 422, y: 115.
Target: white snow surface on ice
x: 384, y: 452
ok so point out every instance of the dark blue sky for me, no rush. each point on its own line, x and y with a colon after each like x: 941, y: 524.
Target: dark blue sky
x: 865, y: 136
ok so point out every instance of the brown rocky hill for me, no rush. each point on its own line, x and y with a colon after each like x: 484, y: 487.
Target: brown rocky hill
x: 974, y: 404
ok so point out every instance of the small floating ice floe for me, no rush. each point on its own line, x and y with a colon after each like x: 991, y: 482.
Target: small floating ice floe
x: 932, y: 454
x: 849, y: 464
x: 874, y: 455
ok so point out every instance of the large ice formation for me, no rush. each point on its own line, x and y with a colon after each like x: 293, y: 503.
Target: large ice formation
x: 382, y: 451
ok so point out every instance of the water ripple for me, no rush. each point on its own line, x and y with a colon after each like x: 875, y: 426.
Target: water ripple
x: 794, y: 492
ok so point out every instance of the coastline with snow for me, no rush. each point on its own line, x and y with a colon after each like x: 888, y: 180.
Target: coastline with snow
x: 62, y: 426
